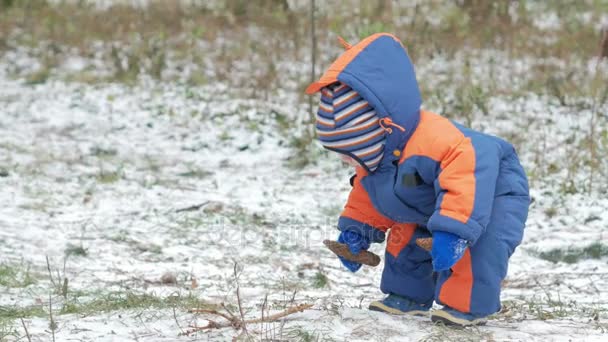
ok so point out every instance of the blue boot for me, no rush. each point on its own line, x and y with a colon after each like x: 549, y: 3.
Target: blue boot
x: 449, y: 316
x: 397, y: 305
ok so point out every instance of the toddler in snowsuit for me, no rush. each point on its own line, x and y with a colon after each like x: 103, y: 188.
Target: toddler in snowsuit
x: 420, y: 175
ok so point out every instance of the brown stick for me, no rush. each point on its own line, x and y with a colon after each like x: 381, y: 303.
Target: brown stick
x: 425, y: 243
x: 236, y: 323
x: 215, y: 312
x: 366, y: 257
x: 52, y: 324
x: 27, y: 333
x: 277, y: 316
x: 243, y: 323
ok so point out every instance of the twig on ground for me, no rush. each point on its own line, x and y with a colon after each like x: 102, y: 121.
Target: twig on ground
x: 238, y: 298
x: 48, y: 267
x: 277, y: 316
x: 229, y: 318
x: 240, y: 324
x: 293, y: 297
x: 192, y: 207
x: 176, y: 321
x: 286, y: 304
x: 52, y: 324
x: 64, y: 287
x: 262, y: 323
x: 27, y: 333
x: 223, y: 305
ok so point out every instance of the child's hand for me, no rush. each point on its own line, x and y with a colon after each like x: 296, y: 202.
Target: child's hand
x: 356, y: 243
x: 447, y: 249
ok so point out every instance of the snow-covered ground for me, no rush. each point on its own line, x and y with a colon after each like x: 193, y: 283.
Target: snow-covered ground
x: 120, y: 185
x: 112, y: 168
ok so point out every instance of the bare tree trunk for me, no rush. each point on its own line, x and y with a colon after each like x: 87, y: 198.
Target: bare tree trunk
x: 313, y: 56
x: 384, y: 10
x: 604, y: 44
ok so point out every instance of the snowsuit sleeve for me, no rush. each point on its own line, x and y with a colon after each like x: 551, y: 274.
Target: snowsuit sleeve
x: 465, y: 182
x: 359, y: 214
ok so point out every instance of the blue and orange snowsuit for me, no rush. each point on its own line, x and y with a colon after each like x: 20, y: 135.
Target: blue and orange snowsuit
x: 435, y: 176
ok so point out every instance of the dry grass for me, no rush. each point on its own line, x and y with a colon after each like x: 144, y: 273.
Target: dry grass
x: 257, y: 38
x: 469, y: 24
x: 259, y: 48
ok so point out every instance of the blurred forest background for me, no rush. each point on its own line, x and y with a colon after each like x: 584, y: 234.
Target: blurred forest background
x: 262, y: 49
x: 274, y: 32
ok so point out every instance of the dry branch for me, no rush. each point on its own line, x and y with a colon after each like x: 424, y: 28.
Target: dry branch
x: 27, y: 333
x: 277, y: 316
x: 192, y: 207
x: 237, y: 323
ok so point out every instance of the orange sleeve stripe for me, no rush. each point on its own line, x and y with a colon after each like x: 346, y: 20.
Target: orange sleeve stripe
x: 430, y: 138
x: 359, y: 206
x: 331, y: 75
x: 458, y: 177
x: 438, y: 139
x: 456, y: 291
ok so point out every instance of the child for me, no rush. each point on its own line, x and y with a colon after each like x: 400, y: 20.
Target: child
x: 420, y: 175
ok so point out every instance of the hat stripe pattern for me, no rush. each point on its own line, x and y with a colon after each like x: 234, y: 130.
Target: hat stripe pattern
x: 346, y: 123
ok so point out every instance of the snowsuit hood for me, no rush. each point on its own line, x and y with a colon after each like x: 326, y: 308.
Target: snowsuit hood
x: 380, y: 70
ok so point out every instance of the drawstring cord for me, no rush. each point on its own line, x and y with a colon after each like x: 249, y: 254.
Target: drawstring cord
x: 385, y: 122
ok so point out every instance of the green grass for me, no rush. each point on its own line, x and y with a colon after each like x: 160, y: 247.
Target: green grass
x: 38, y: 77
x: 14, y: 312
x: 92, y: 303
x: 149, y: 247
x: 108, y: 177
x: 320, y: 280
x: 116, y: 301
x: 196, y: 173
x: 551, y: 212
x: 302, y: 335
x: 7, y: 329
x: 547, y: 308
x: 596, y: 250
x: 103, y: 152
x: 75, y: 250
x: 13, y: 276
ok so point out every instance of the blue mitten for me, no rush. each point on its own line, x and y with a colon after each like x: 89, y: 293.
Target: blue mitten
x: 356, y: 243
x: 447, y: 249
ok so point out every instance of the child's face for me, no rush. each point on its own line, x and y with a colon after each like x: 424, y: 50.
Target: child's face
x: 348, y: 160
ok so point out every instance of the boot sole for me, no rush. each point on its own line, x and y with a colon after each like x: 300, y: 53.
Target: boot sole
x: 446, y: 318
x: 380, y: 307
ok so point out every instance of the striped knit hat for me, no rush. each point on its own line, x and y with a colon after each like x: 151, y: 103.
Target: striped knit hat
x: 348, y: 124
